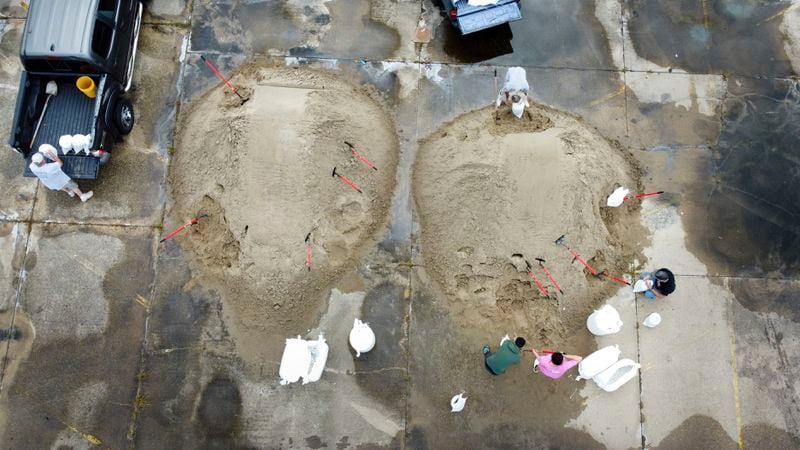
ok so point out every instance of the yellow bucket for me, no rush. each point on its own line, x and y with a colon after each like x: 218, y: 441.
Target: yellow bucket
x: 86, y: 85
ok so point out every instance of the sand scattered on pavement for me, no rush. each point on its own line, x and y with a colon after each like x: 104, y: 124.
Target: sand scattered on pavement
x: 263, y: 172
x: 487, y: 190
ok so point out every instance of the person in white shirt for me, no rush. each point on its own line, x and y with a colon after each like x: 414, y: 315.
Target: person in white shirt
x: 51, y: 175
x: 515, y: 91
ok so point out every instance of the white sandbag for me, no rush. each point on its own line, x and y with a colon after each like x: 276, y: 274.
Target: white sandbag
x: 505, y: 338
x: 652, y: 320
x: 641, y: 286
x: 295, y: 361
x: 604, y: 321
x: 362, y: 338
x: 597, y: 362
x: 458, y: 402
x: 81, y: 143
x: 618, y: 374
x: 65, y: 142
x: 617, y: 197
x: 482, y: 2
x: 319, y: 356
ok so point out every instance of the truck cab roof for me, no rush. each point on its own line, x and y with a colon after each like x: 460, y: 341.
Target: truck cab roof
x: 64, y: 28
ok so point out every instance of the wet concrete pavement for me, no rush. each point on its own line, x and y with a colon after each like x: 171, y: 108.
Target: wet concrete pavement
x: 128, y: 350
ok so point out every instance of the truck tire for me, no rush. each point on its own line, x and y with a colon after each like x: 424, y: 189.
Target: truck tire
x: 123, y: 116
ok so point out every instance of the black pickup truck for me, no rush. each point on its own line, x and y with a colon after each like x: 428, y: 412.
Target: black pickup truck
x: 64, y: 40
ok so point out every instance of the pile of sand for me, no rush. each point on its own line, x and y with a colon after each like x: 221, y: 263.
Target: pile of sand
x: 487, y: 189
x: 263, y: 172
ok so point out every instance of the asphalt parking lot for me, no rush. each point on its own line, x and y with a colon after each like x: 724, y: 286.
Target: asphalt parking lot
x: 120, y: 345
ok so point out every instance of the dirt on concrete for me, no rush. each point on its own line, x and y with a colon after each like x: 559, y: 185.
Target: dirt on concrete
x: 489, y: 188
x: 262, y: 170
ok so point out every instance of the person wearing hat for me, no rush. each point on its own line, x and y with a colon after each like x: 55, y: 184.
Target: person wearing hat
x: 515, y: 91
x: 508, y: 354
x: 51, y: 175
x: 661, y: 283
x: 555, y: 364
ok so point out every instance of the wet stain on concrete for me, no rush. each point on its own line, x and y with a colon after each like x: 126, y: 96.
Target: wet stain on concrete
x: 766, y: 436
x: 732, y: 36
x: 750, y: 223
x: 698, y: 431
x: 372, y: 40
x: 39, y: 394
x: 475, y: 47
x: 381, y: 372
x: 220, y: 408
x: 768, y: 296
x: 314, y: 442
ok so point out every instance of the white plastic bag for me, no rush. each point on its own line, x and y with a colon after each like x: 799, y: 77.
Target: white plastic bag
x: 295, y: 361
x: 458, y: 402
x: 362, y: 338
x: 617, y: 197
x: 618, y: 374
x: 598, y: 361
x: 604, y: 321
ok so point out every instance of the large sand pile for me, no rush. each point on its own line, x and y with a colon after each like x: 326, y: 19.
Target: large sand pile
x: 488, y: 189
x: 263, y: 172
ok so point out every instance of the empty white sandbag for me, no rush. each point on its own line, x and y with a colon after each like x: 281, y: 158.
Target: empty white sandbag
x: 362, y: 338
x: 458, y: 402
x: 295, y: 361
x: 617, y: 197
x: 618, y: 374
x: 598, y: 361
x: 319, y: 356
x: 604, y: 321
x: 641, y: 286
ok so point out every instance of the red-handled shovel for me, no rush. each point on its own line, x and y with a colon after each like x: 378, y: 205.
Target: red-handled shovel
x: 308, y: 251
x: 361, y: 158
x: 344, y: 178
x: 183, y: 227
x: 228, y: 83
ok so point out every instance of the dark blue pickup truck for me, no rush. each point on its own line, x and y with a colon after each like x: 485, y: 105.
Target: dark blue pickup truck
x: 471, y: 18
x: 65, y: 40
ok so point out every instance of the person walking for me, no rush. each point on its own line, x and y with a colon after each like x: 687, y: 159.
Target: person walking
x: 51, y: 175
x: 661, y: 283
x: 507, y: 355
x: 555, y: 364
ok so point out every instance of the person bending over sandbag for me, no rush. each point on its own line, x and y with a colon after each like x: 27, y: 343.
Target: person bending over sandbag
x: 554, y: 365
x: 506, y: 355
x: 661, y: 283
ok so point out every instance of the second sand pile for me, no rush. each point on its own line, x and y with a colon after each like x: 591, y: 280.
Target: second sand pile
x: 487, y: 190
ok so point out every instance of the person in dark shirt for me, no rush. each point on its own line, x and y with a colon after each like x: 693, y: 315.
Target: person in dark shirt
x: 506, y: 355
x: 661, y: 283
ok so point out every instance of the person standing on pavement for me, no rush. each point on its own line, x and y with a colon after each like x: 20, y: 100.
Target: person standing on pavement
x: 515, y: 91
x: 51, y: 175
x: 554, y: 365
x: 661, y: 283
x: 507, y: 355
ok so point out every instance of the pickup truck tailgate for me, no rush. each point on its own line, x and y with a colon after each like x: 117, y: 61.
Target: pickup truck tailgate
x: 471, y: 20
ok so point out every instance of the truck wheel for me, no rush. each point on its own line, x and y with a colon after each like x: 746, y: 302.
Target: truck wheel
x: 123, y: 115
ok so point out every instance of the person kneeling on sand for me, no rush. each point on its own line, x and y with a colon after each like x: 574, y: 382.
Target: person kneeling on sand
x: 51, y: 175
x: 506, y: 355
x: 515, y: 91
x: 661, y: 283
x: 554, y: 365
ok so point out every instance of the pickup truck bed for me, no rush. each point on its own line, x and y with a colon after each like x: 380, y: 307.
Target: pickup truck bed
x: 69, y: 112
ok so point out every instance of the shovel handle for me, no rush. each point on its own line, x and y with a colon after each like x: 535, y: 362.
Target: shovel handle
x: 539, y: 284
x: 216, y: 72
